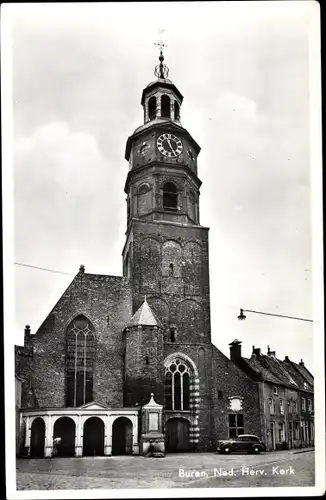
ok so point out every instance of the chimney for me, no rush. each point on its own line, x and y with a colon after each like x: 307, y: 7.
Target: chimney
x: 82, y: 268
x: 27, y: 333
x: 235, y: 350
x: 270, y: 353
x: 286, y: 358
x: 301, y: 363
x: 256, y: 350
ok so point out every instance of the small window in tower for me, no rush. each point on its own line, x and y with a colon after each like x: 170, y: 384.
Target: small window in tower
x: 176, y: 110
x: 171, y: 269
x: 152, y: 108
x: 219, y: 394
x: 172, y: 335
x: 165, y: 106
x: 170, y: 196
x: 147, y: 360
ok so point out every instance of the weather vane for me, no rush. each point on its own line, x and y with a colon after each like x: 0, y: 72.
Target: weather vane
x: 161, y: 71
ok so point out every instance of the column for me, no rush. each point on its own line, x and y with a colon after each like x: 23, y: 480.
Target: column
x: 28, y: 436
x: 78, y: 438
x: 108, y: 436
x: 158, y: 106
x: 48, y: 437
x: 171, y: 108
x: 135, y: 444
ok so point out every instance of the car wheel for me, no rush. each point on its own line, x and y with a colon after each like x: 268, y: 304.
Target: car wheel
x: 256, y: 449
x: 227, y: 450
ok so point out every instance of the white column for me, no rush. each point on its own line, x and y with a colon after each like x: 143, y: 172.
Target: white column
x: 135, y: 444
x: 78, y: 438
x: 48, y: 436
x: 28, y: 436
x: 108, y: 436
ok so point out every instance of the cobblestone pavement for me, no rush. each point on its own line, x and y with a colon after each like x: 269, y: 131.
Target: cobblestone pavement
x: 171, y: 471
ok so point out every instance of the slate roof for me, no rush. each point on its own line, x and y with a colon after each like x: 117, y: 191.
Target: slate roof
x: 144, y: 317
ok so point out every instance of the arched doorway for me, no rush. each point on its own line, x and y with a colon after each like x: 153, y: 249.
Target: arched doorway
x: 177, y: 435
x: 65, y: 429
x: 37, y: 438
x: 93, y: 439
x: 122, y: 436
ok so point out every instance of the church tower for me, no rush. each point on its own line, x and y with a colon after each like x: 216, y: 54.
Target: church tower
x: 166, y: 251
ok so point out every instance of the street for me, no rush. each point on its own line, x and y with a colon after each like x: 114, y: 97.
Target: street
x: 197, y: 470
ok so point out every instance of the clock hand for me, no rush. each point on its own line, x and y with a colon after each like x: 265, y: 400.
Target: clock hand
x: 169, y: 142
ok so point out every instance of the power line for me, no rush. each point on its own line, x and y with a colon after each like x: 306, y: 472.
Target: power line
x: 42, y: 268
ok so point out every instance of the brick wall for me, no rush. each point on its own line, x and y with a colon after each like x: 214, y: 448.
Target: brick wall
x: 232, y: 382
x: 106, y: 302
x: 144, y: 365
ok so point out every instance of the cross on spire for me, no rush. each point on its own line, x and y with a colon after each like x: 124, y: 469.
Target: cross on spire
x: 160, y: 43
x: 161, y: 71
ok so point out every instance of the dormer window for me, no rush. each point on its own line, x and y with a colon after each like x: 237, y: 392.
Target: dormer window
x: 152, y: 108
x: 305, y: 385
x: 165, y: 106
x: 170, y: 196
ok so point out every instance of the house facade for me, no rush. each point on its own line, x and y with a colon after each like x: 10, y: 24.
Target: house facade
x: 286, y: 397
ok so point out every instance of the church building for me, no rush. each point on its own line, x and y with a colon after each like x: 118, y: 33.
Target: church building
x: 123, y: 362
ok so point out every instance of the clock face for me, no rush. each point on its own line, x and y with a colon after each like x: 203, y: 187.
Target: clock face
x: 169, y: 145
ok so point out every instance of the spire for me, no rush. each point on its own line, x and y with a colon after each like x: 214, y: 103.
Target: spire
x: 161, y: 71
x: 144, y: 317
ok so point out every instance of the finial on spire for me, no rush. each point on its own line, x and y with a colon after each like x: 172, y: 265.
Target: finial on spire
x: 161, y: 71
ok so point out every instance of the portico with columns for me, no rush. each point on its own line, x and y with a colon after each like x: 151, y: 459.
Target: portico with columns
x: 46, y: 419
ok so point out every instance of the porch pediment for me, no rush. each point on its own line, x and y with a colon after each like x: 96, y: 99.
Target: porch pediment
x: 93, y: 405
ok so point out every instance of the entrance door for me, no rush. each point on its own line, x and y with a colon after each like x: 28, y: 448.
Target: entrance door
x: 93, y: 440
x: 177, y: 435
x: 122, y: 436
x: 37, y: 438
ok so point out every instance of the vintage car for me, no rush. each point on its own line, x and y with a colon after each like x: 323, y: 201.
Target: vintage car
x: 244, y: 442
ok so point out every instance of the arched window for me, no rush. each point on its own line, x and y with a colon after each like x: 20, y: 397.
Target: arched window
x: 80, y: 355
x: 144, y: 199
x: 165, y: 106
x: 152, y: 108
x: 176, y: 110
x: 177, y: 385
x: 170, y: 196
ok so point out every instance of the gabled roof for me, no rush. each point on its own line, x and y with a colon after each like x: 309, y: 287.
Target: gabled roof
x: 285, y: 372
x: 266, y: 374
x: 93, y: 405
x: 144, y: 317
x: 308, y: 377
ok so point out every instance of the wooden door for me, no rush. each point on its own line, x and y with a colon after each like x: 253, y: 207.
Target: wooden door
x: 177, y: 435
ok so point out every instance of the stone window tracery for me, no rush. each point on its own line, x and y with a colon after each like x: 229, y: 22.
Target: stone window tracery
x: 177, y: 385
x: 80, y: 356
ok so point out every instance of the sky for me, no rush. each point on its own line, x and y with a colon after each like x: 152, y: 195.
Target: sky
x: 244, y: 69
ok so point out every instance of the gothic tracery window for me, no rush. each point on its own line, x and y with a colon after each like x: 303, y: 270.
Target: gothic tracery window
x: 177, y: 385
x: 80, y: 355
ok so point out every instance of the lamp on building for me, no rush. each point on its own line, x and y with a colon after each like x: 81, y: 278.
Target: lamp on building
x: 241, y: 315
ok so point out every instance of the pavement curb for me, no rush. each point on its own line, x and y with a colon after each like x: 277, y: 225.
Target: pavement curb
x: 303, y: 451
